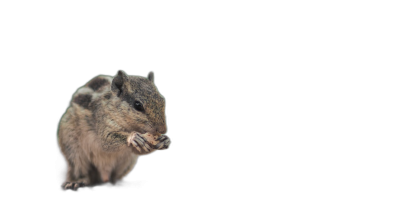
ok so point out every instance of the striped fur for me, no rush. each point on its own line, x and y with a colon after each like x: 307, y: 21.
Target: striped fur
x: 93, y: 131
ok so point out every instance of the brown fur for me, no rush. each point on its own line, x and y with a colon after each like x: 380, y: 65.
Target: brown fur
x: 93, y: 132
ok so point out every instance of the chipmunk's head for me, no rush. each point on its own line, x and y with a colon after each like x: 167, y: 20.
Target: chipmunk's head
x: 142, y: 106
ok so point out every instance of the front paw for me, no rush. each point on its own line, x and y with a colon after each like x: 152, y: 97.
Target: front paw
x: 164, y: 142
x: 138, y: 142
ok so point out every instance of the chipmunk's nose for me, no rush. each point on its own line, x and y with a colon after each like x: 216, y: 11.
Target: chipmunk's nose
x: 162, y: 129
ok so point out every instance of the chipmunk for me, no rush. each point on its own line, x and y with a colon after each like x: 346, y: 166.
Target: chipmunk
x: 110, y: 122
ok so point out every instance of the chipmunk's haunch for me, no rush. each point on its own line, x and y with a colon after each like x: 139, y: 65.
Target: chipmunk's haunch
x: 103, y: 130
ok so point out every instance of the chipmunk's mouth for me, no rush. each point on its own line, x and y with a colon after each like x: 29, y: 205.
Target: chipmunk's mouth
x: 147, y: 129
x: 154, y: 130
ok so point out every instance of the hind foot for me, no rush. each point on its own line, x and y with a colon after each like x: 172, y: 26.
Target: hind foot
x: 72, y: 186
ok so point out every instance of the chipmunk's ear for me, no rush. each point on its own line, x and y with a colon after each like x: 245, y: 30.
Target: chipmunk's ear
x: 118, y: 82
x: 151, y: 77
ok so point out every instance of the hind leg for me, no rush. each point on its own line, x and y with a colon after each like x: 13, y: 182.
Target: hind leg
x: 78, y: 175
x: 81, y: 172
x: 81, y: 176
x: 79, y: 168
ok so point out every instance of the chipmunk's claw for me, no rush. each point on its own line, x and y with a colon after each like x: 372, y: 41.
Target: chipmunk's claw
x: 164, y: 142
x: 140, y: 144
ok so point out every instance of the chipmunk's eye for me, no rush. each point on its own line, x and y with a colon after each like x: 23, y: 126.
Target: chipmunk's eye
x: 138, y: 106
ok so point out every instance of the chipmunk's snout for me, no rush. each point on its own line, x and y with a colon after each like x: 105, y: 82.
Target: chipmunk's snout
x: 162, y: 129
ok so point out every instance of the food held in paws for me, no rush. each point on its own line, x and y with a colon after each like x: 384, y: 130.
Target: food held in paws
x: 152, y: 139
